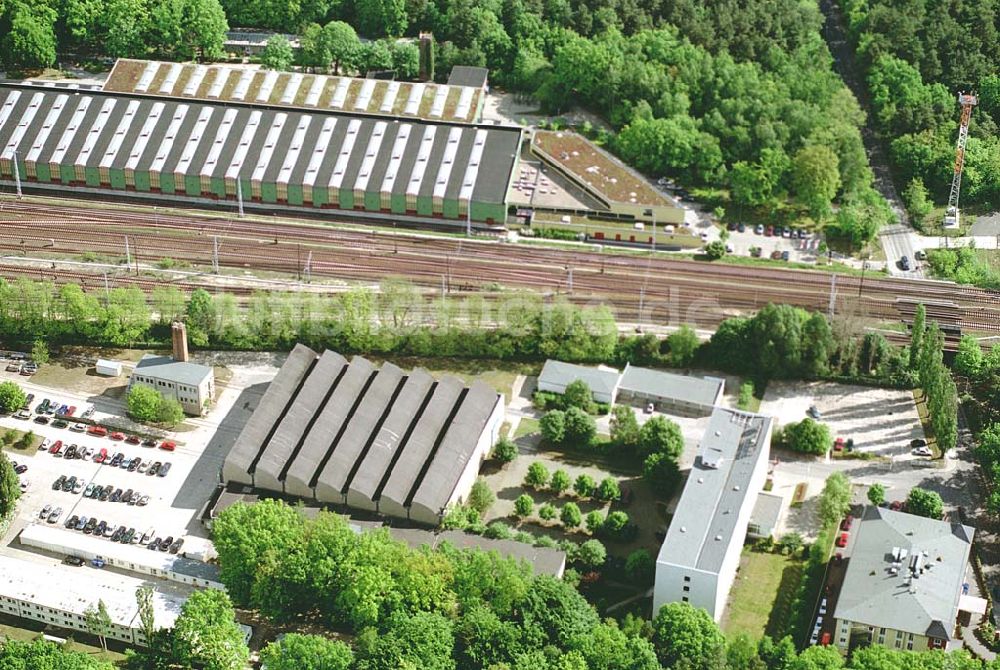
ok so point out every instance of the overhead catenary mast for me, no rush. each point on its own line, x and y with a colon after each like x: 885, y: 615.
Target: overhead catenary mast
x: 951, y: 216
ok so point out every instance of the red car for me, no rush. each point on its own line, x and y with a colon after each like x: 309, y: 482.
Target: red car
x: 896, y: 505
x: 56, y: 447
x: 70, y: 411
x: 847, y: 522
x: 769, y: 231
x: 842, y: 539
x: 99, y: 431
x: 825, y: 641
x: 133, y: 439
x: 838, y: 444
x: 101, y: 456
x: 167, y: 445
x: 117, y: 437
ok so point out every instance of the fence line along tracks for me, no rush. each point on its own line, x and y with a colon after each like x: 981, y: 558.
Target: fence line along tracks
x: 670, y: 289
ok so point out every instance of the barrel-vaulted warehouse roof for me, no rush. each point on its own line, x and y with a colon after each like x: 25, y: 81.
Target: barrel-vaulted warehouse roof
x: 201, y: 148
x: 374, y: 438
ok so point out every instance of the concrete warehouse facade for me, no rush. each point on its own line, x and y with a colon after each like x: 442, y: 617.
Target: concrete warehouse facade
x: 903, y: 587
x: 699, y: 557
x: 378, y: 439
x: 205, y: 152
x: 190, y: 384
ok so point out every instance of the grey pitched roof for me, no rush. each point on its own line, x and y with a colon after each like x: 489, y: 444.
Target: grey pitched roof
x: 668, y: 385
x: 878, y: 593
x: 717, y: 487
x: 542, y: 559
x: 600, y: 380
x: 468, y: 75
x: 167, y: 369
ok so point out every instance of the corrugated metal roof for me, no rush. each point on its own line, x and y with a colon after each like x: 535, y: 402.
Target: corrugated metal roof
x: 294, y: 149
x: 225, y: 128
x: 193, y: 141
x: 368, y: 164
x: 240, y: 155
x: 147, y: 77
x: 95, y: 131
x: 667, y: 385
x: 291, y: 88
x: 119, y: 137
x: 144, y: 136
x: 337, y: 178
x: 315, y: 90
x: 173, y: 73
x: 163, y: 151
x: 389, y: 99
x: 43, y: 135
x: 270, y: 146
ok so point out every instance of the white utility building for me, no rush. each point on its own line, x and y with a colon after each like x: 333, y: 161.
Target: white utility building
x: 698, y: 560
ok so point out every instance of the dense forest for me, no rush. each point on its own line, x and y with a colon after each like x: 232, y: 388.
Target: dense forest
x: 917, y: 56
x: 738, y: 96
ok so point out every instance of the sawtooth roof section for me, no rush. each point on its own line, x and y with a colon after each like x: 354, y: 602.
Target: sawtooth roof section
x: 377, y: 402
x: 407, y: 469
x: 327, y: 428
x: 374, y: 466
x: 291, y: 431
x: 453, y: 453
x: 268, y: 412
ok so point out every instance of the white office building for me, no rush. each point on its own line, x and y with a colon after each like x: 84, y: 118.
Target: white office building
x: 698, y: 560
x: 59, y: 596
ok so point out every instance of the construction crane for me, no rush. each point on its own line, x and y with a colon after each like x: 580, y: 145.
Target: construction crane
x: 967, y: 101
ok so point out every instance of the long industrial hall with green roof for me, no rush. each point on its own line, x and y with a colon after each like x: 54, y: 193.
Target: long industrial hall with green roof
x: 270, y: 158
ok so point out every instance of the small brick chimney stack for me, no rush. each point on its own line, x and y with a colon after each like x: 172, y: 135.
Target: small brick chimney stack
x: 180, y: 341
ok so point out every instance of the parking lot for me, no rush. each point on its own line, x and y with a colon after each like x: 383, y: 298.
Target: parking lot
x: 172, y: 502
x: 880, y: 421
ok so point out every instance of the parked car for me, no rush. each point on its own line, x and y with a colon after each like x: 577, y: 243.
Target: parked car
x: 116, y: 496
x: 117, y: 535
x: 923, y: 451
x: 81, y: 523
x: 117, y: 436
x: 814, y: 413
x: 56, y: 447
x: 69, y: 484
x: 904, y: 263
x: 117, y: 459
x: 78, y: 428
x: 759, y: 229
x: 149, y: 443
x: 176, y: 546
x: 775, y: 255
x: 167, y: 541
x: 785, y: 255
x: 154, y: 543
x: 54, y: 516
x: 98, y: 431
x: 842, y: 539
x: 42, y: 420
x: 142, y: 501
x: 847, y: 522
x: 127, y: 495
x: 127, y: 536
x: 164, y: 469
x: 45, y: 511
x: 87, y: 413
x: 13, y: 367
x: 838, y: 444
x: 28, y: 369
x: 75, y: 561
x: 23, y: 414
x: 57, y: 484
x: 133, y: 439
x: 105, y: 492
x: 89, y: 490
x: 101, y: 527
x: 143, y: 466
x: 70, y: 451
x: 21, y: 468
x: 134, y: 465
x: 71, y: 522
x: 896, y: 505
x: 649, y: 408
x: 769, y: 231
x: 168, y: 445
x: 91, y: 525
x: 153, y: 469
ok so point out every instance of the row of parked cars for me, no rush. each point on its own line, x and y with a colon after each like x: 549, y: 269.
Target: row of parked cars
x: 149, y: 539
x: 75, y: 485
x: 24, y: 369
x: 118, y: 460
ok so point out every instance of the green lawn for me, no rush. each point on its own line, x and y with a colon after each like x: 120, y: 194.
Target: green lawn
x: 11, y: 436
x: 526, y: 426
x: 762, y: 594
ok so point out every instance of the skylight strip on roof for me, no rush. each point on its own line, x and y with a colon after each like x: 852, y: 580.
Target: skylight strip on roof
x: 437, y: 107
x: 167, y: 86
x: 291, y: 88
x: 95, y: 131
x: 340, y: 93
x: 70, y: 132
x: 337, y: 178
x: 243, y: 85
x: 365, y: 95
x: 420, y: 166
x: 195, y: 80
x: 319, y: 151
x: 315, y: 90
x: 144, y: 135
x: 226, y: 127
x: 8, y: 106
x: 396, y: 158
x: 267, y: 86
x: 371, y: 153
x: 219, y: 77
x: 119, y: 137
x: 147, y: 77
x: 270, y: 142
x: 168, y: 138
x: 294, y: 149
x: 413, y: 102
x: 243, y: 148
x: 22, y: 126
x: 447, y: 162
x: 472, y: 170
x: 193, y: 140
x: 389, y: 99
x: 46, y: 130
x: 464, y: 102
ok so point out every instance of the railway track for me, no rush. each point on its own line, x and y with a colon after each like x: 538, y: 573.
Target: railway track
x: 638, y: 288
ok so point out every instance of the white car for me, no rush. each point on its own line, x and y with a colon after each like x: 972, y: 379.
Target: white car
x: 822, y: 606
x: 730, y: 248
x: 923, y: 451
x: 46, y: 443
